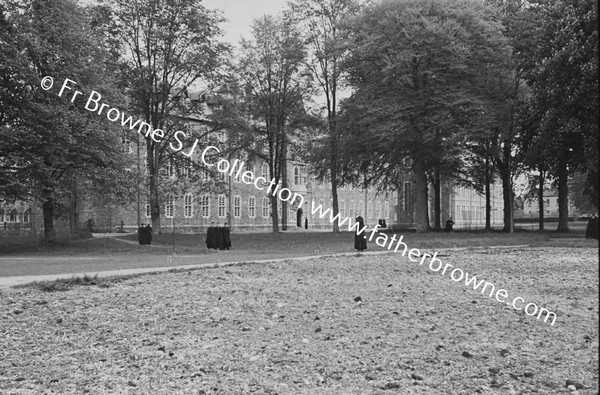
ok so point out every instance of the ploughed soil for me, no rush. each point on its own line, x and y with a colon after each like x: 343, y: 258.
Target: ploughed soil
x: 336, y: 325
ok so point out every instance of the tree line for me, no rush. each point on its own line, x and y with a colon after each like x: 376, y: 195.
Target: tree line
x: 469, y: 91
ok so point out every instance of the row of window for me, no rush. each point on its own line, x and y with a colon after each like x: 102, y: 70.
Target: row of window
x: 14, y: 216
x: 300, y: 174
x: 379, y: 208
x: 204, y: 204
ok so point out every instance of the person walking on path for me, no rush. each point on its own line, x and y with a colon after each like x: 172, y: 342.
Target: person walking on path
x: 141, y: 232
x: 211, y: 237
x: 360, y: 240
x: 220, y: 231
x: 591, y: 232
x: 227, y: 236
x: 148, y: 234
x: 449, y: 224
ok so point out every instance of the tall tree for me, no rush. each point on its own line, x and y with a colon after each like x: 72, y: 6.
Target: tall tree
x: 166, y: 48
x: 519, y: 23
x: 270, y: 69
x: 326, y: 44
x: 48, y: 142
x: 415, y: 66
x: 564, y: 106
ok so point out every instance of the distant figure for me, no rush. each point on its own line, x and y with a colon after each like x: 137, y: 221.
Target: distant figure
x: 383, y: 224
x: 591, y: 232
x: 299, y: 218
x: 449, y: 224
x: 122, y: 225
x: 220, y: 231
x: 360, y: 241
x: 226, y: 236
x: 148, y: 234
x: 141, y: 231
x: 211, y: 237
x: 306, y: 223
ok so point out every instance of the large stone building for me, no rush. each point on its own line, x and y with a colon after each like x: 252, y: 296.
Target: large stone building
x: 247, y: 208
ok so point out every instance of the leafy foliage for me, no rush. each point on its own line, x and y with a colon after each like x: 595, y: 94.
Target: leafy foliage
x: 165, y: 48
x: 416, y: 66
x: 49, y: 143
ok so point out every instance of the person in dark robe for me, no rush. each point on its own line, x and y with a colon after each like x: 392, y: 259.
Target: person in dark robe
x: 141, y: 234
x: 148, y: 234
x: 299, y: 218
x: 227, y: 236
x: 591, y: 232
x: 360, y: 241
x: 211, y: 236
x: 383, y: 223
x: 220, y: 231
x: 306, y: 223
x: 449, y: 224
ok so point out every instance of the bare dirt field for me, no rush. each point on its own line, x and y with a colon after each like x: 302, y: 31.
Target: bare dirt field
x: 353, y: 325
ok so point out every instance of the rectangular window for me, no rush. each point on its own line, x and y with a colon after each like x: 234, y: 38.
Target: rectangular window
x: 387, y: 209
x: 204, y: 175
x: 266, y: 207
x: 251, y: 207
x: 297, y: 175
x: 188, y: 207
x: 370, y: 210
x: 343, y: 209
x: 304, y: 173
x: 187, y: 168
x: 169, y: 206
x: 170, y: 168
x: 221, y: 206
x: 205, y: 206
x: 126, y: 144
x: 237, y: 206
x: 352, y: 209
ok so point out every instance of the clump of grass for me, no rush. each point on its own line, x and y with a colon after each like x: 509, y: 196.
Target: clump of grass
x: 65, y: 284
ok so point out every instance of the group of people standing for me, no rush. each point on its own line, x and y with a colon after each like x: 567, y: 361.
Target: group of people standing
x: 145, y: 234
x: 218, y: 237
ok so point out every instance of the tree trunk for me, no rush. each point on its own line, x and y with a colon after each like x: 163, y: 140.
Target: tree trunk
x: 438, y: 200
x: 488, y: 195
x: 153, y: 168
x: 334, y: 197
x: 284, y: 184
x: 333, y: 160
x: 275, y: 214
x: 48, y: 212
x: 563, y: 197
x: 422, y: 222
x: 507, y: 192
x: 541, y: 201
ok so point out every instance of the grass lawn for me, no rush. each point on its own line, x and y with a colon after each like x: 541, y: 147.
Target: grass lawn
x: 335, y: 325
x: 109, y: 253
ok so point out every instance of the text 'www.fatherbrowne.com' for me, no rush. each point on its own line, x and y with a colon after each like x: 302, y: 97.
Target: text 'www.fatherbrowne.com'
x: 113, y: 114
x: 436, y: 265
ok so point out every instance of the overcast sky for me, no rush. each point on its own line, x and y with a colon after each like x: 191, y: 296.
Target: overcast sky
x: 240, y: 14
